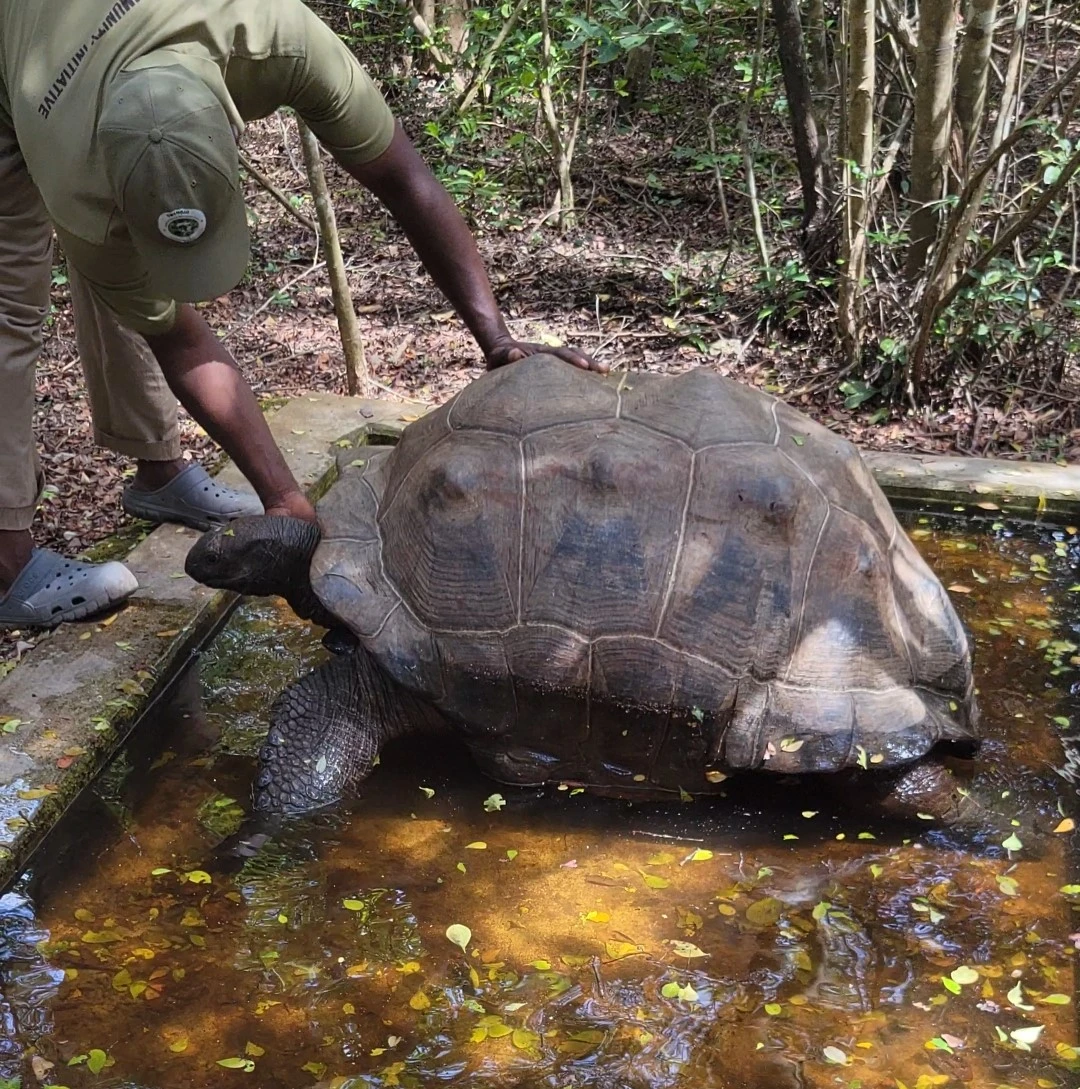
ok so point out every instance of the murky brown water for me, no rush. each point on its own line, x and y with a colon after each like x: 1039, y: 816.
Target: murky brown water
x: 775, y: 938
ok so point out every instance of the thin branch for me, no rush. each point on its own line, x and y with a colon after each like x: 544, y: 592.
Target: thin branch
x: 276, y: 193
x: 356, y: 367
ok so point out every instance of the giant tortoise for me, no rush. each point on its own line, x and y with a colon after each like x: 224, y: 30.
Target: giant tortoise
x: 641, y: 585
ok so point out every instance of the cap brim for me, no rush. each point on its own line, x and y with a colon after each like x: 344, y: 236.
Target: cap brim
x: 202, y: 270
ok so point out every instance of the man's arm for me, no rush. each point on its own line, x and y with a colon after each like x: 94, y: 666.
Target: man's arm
x: 429, y: 217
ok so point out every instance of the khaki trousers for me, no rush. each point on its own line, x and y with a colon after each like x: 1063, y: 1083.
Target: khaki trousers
x: 134, y: 411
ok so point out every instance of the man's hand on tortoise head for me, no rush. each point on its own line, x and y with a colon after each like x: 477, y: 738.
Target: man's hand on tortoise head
x: 510, y: 351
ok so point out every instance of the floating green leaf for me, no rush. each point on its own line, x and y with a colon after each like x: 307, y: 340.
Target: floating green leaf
x: 511, y: 854
x: 428, y: 792
x: 964, y: 975
x: 96, y: 1060
x: 353, y: 905
x: 1026, y: 1036
x: 236, y: 1062
x: 773, y: 1009
x: 460, y: 935
x: 494, y: 802
x: 198, y: 877
x: 655, y: 882
x: 1012, y: 843
x: 1056, y: 999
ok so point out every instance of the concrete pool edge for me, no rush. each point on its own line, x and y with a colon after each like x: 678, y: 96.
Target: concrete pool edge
x: 82, y: 691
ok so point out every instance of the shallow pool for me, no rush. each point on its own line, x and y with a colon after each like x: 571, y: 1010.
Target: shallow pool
x: 774, y: 938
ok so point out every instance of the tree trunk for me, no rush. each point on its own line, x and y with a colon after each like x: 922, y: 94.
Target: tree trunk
x: 823, y: 86
x: 356, y: 368
x: 637, y: 72
x: 971, y: 74
x: 932, y: 127
x: 858, y: 168
x: 793, y: 64
x: 457, y: 24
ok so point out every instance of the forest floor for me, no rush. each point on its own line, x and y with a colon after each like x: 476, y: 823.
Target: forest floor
x: 649, y: 280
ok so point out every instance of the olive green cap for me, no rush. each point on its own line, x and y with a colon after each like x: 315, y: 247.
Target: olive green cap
x: 173, y: 166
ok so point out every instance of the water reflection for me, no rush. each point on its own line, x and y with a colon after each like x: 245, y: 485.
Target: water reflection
x: 778, y: 937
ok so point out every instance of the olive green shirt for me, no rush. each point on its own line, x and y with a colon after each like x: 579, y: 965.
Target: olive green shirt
x: 56, y: 56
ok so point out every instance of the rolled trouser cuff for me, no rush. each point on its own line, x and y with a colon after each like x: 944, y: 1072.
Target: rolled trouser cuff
x: 167, y: 449
x: 16, y: 518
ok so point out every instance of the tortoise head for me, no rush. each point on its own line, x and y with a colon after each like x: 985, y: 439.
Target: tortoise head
x: 264, y: 555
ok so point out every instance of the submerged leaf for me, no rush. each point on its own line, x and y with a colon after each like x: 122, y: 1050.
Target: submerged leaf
x: 764, y: 912
x: 835, y: 1056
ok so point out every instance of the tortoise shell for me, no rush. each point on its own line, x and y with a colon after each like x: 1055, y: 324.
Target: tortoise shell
x: 644, y: 581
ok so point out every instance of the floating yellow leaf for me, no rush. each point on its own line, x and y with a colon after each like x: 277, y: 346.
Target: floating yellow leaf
x: 655, y: 882
x: 773, y: 1009
x: 1067, y: 825
x: 524, y: 1040
x: 198, y: 877
x: 700, y: 855
x: 596, y: 917
x: 420, y: 1001
x: 477, y: 845
x: 791, y: 744
x: 353, y: 905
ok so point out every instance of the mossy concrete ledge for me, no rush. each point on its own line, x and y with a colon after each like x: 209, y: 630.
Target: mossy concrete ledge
x: 69, y: 705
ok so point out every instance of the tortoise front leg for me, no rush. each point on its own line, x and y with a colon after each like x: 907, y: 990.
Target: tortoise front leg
x: 325, y: 732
